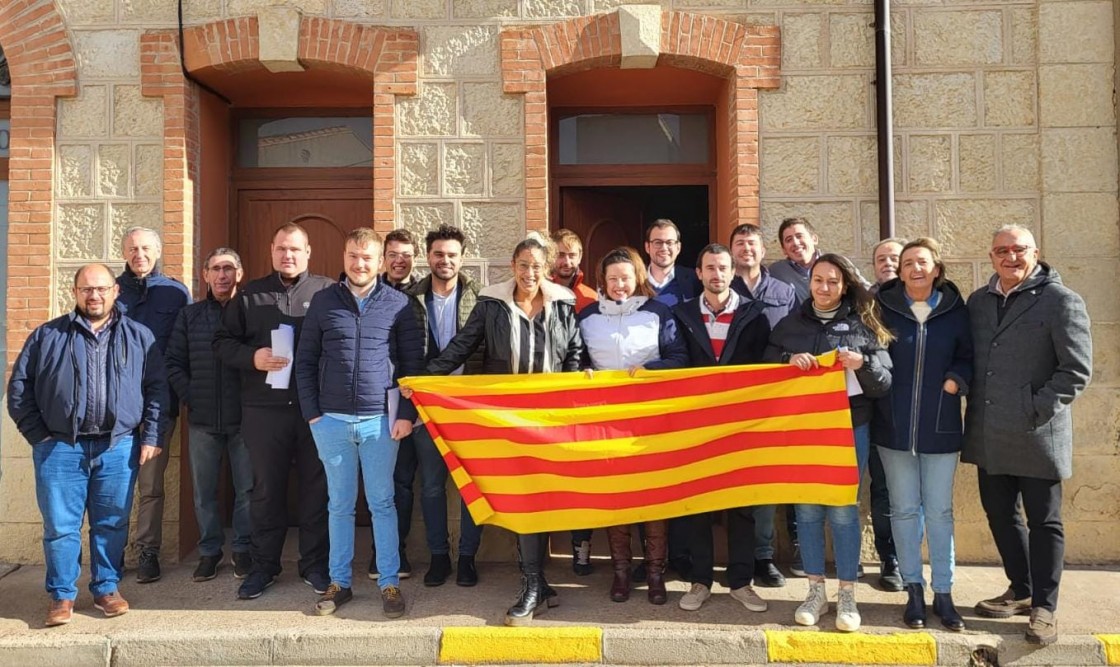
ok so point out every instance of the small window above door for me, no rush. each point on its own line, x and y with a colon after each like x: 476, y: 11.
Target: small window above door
x: 634, y: 138
x: 340, y: 141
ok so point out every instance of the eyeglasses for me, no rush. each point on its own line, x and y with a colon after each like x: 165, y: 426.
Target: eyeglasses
x: 524, y: 267
x: 88, y: 291
x: 1008, y: 250
x: 659, y: 243
x: 394, y: 256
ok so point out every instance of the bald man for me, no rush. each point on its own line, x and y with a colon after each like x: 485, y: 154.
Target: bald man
x: 88, y: 393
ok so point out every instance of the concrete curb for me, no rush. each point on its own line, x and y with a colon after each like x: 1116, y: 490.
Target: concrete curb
x: 483, y: 645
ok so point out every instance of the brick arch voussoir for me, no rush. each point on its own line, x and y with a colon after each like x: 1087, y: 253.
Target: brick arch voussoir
x: 43, y: 68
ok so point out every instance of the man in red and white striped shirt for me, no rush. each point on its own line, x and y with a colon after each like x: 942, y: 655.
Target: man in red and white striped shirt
x: 721, y: 328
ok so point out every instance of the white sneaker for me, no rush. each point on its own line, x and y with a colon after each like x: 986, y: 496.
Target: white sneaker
x: 847, y: 615
x: 749, y: 599
x: 695, y: 597
x: 814, y: 606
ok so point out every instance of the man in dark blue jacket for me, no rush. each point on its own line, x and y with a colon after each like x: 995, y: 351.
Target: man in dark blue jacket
x: 213, y: 392
x: 87, y: 392
x: 663, y: 246
x: 359, y: 336
x: 753, y: 282
x: 154, y: 300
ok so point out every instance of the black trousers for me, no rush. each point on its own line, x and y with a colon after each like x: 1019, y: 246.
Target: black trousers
x: 1032, y: 553
x: 740, y: 547
x: 531, y: 549
x: 880, y: 507
x: 277, y: 439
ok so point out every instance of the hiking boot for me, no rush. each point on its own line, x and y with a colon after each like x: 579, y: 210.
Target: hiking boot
x: 392, y: 602
x: 111, y: 604
x: 767, y: 575
x: 242, y: 564
x: 847, y: 614
x: 335, y: 597
x: 1004, y: 606
x: 59, y: 613
x: 890, y: 579
x: 438, y: 571
x: 749, y: 599
x: 318, y: 581
x: 581, y: 558
x: 1043, y: 628
x: 695, y: 597
x: 148, y: 568
x: 814, y: 606
x: 207, y: 568
x: 254, y: 585
x: 467, y: 574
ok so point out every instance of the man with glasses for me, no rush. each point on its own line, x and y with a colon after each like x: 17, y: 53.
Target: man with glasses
x: 154, y: 300
x: 1034, y: 356
x: 663, y: 245
x: 400, y: 256
x: 212, y: 390
x: 87, y: 392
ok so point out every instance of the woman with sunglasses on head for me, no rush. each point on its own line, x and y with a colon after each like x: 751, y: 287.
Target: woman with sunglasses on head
x: 526, y: 324
x: 840, y: 315
x: 626, y: 329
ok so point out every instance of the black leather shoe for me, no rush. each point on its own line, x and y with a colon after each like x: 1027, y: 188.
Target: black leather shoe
x: 915, y: 614
x: 438, y: 571
x: 535, y: 598
x: 467, y: 575
x: 944, y: 608
x: 889, y: 577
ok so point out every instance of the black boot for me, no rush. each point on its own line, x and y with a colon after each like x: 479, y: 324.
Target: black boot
x: 944, y: 608
x: 531, y: 600
x: 915, y: 614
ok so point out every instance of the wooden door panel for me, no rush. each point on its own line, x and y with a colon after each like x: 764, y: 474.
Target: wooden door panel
x: 603, y: 220
x: 328, y: 215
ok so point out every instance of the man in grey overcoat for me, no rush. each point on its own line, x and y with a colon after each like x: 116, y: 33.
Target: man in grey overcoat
x: 1034, y: 356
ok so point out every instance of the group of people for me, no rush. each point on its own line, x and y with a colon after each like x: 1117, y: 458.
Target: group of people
x: 96, y: 393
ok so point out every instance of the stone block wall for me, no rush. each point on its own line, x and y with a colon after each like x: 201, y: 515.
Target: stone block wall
x: 1003, y: 113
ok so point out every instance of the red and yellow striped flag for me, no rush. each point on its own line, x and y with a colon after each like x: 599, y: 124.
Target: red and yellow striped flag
x: 537, y: 453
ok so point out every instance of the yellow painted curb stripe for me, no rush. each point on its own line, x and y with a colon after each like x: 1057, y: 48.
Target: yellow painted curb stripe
x: 1111, y: 648
x: 852, y: 649
x: 490, y: 645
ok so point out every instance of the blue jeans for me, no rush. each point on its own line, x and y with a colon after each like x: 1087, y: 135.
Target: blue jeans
x: 921, y: 491
x: 344, y: 447
x: 206, y: 450
x: 419, y: 450
x: 844, y: 520
x: 92, y: 475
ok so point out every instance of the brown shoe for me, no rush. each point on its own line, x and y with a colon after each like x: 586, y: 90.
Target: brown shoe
x: 59, y: 613
x: 1003, y: 606
x: 392, y: 602
x: 112, y: 604
x: 1043, y: 628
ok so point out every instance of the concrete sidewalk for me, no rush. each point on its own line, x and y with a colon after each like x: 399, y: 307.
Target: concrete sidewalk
x: 178, y: 622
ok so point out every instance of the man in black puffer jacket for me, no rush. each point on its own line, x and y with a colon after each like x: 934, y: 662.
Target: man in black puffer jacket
x: 212, y: 391
x: 273, y: 429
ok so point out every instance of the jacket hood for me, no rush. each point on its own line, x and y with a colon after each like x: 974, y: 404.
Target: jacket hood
x: 552, y: 292
x: 892, y: 294
x: 1043, y: 274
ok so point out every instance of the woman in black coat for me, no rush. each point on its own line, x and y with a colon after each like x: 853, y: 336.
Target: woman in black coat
x: 526, y: 324
x: 932, y: 358
x: 840, y: 315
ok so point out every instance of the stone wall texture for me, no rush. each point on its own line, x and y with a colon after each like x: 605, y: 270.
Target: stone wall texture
x: 1004, y: 113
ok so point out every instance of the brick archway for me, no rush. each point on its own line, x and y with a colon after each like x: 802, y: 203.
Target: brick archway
x: 42, y: 65
x: 747, y: 56
x: 387, y: 57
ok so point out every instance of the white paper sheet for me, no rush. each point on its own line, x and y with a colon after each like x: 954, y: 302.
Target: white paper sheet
x: 283, y: 345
